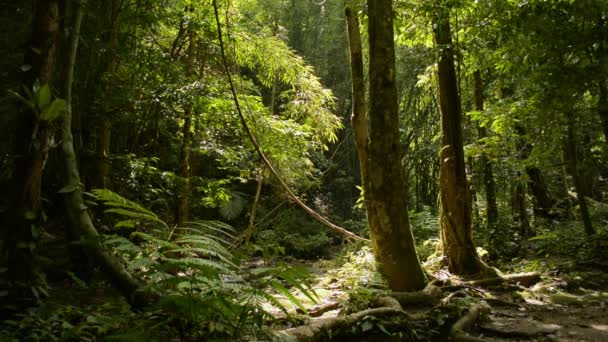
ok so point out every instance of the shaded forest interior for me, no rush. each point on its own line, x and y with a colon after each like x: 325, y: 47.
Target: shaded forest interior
x: 304, y: 170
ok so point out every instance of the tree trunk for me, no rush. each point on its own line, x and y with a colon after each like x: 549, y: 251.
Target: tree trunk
x: 100, y: 180
x: 603, y: 107
x: 544, y: 204
x: 182, y: 208
x: 486, y: 164
x: 456, y: 236
x: 574, y: 172
x: 33, y: 140
x: 78, y: 216
x: 519, y: 209
x: 359, y: 116
x: 385, y: 189
x: 254, y: 207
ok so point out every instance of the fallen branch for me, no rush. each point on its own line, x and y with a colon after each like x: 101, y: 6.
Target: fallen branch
x: 524, y: 279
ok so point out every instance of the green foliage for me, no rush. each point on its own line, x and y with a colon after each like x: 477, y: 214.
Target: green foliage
x: 68, y: 323
x: 297, y: 234
x: 202, y: 294
x: 131, y: 211
x: 568, y: 239
x: 41, y: 103
x: 358, y: 268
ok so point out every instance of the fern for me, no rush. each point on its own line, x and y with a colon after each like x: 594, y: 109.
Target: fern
x: 233, y: 207
x: 121, y: 206
x: 197, y: 274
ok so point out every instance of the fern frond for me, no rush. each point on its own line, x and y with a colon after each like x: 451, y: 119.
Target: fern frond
x: 126, y: 208
x: 213, y: 226
x: 285, y: 292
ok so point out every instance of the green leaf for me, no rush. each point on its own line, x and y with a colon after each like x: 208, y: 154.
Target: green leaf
x: 68, y: 188
x: 43, y: 97
x: 54, y: 111
x: 284, y: 291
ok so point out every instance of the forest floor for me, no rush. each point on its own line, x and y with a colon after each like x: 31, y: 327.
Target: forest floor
x: 570, y: 303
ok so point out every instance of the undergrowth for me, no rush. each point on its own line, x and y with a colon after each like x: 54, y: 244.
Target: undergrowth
x: 203, y: 294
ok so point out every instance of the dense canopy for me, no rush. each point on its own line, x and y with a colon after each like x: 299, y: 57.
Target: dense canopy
x: 192, y: 170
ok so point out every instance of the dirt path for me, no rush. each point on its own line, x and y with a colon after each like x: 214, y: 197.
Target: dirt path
x: 544, y: 316
x: 553, y: 310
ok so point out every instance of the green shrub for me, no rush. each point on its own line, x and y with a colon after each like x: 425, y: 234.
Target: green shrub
x: 294, y: 231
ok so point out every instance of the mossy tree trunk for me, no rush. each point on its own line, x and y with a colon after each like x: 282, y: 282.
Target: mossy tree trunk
x: 379, y: 151
x: 182, y: 209
x: 455, y: 220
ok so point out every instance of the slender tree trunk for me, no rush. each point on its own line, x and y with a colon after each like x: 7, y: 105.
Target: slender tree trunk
x: 519, y: 209
x: 456, y: 236
x: 100, y: 180
x: 383, y: 180
x: 574, y: 172
x: 78, y: 216
x: 603, y: 107
x: 544, y: 204
x: 486, y: 164
x: 359, y: 116
x: 182, y: 210
x: 254, y: 207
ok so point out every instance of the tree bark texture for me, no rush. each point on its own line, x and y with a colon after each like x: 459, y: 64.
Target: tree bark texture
x: 455, y: 220
x: 385, y: 191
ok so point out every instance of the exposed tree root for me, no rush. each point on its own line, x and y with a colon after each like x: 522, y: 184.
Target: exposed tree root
x: 458, y: 331
x: 315, y: 330
x: 319, y: 310
x: 430, y: 295
x: 524, y: 279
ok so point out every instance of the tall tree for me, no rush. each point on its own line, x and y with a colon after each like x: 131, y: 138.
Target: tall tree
x: 380, y: 151
x: 456, y: 236
x: 33, y: 142
x: 182, y: 191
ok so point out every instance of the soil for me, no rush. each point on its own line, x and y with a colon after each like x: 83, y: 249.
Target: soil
x: 569, y: 304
